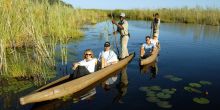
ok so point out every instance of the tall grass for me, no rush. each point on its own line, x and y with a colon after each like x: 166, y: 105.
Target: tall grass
x: 37, y: 28
x: 198, y: 15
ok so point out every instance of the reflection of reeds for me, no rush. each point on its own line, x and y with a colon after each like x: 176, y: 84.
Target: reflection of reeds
x: 37, y: 27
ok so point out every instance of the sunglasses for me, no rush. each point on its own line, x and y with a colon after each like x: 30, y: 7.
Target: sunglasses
x: 88, y: 54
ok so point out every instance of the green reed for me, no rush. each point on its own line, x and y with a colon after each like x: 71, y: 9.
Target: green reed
x: 37, y: 28
x: 198, y: 15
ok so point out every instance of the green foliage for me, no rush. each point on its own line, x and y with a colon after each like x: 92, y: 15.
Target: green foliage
x: 14, y: 86
x: 164, y: 104
x: 198, y: 15
x: 163, y: 95
x: 201, y: 100
x: 205, y: 82
x: 197, y: 85
x: 173, y: 78
x: 154, y: 94
x: 37, y: 26
x: 190, y: 89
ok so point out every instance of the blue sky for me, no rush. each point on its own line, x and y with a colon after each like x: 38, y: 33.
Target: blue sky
x: 141, y: 4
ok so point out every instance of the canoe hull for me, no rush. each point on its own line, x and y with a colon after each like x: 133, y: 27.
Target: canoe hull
x: 150, y: 58
x: 74, y: 85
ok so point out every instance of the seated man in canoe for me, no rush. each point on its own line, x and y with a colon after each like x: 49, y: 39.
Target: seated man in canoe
x: 147, y: 49
x: 108, y: 57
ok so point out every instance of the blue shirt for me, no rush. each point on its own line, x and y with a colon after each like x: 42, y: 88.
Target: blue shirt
x: 148, y: 48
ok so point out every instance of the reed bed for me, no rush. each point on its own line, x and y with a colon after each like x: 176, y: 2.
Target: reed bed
x: 32, y: 29
x: 198, y: 15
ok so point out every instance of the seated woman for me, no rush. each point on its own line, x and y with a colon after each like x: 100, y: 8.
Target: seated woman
x: 155, y: 41
x: 84, y: 67
x: 147, y: 48
x: 88, y: 64
x: 108, y: 57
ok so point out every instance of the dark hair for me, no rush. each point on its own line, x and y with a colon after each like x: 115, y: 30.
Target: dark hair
x: 156, y: 14
x: 147, y: 37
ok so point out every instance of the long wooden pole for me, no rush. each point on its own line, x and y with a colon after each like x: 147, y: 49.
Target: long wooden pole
x: 116, y: 41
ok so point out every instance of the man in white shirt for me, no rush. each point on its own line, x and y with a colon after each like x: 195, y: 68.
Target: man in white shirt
x: 108, y: 57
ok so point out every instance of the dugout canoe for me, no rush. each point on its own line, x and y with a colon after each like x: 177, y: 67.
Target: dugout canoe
x: 49, y: 93
x: 150, y: 58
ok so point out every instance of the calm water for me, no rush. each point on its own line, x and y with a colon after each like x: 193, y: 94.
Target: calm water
x: 190, y: 52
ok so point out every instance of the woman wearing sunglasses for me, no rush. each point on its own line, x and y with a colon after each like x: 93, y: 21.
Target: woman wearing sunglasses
x: 89, y: 62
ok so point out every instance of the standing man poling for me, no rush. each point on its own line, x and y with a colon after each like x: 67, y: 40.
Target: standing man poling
x: 155, y: 25
x: 122, y: 28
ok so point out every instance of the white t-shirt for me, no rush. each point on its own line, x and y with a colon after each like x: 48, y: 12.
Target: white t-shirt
x: 109, y: 56
x: 90, y: 65
x: 154, y: 42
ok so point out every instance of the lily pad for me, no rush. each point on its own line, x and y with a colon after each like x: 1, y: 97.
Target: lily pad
x: 190, y: 89
x: 169, y: 76
x: 163, y: 95
x: 168, y: 91
x: 145, y: 89
x: 164, y: 104
x: 155, y: 88
x: 197, y: 85
x: 205, y: 82
x: 201, y: 100
x: 175, y: 79
x: 152, y: 99
x: 173, y: 89
x: 151, y: 94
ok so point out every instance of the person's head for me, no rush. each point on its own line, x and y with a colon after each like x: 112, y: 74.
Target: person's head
x: 122, y: 16
x: 147, y: 39
x: 154, y: 36
x: 88, y: 53
x: 157, y: 15
x: 107, y: 46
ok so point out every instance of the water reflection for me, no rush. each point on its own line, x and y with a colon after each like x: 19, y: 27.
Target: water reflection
x: 150, y: 69
x: 122, y: 86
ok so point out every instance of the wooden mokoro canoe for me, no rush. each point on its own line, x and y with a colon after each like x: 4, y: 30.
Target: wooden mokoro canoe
x: 49, y: 93
x: 150, y: 58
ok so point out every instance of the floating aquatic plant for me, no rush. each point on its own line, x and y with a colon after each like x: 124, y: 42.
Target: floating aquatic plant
x: 197, y: 85
x: 145, y: 89
x: 175, y: 79
x: 155, y: 88
x: 201, y: 100
x: 190, y: 89
x: 163, y: 95
x: 152, y: 99
x: 169, y: 76
x: 205, y: 82
x: 151, y: 94
x: 164, y: 104
x: 168, y: 91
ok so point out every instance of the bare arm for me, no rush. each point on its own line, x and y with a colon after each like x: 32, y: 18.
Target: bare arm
x: 142, y: 51
x: 75, y: 65
x: 118, y: 25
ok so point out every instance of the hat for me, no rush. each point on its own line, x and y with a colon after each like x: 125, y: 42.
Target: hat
x: 122, y: 14
x: 107, y: 44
